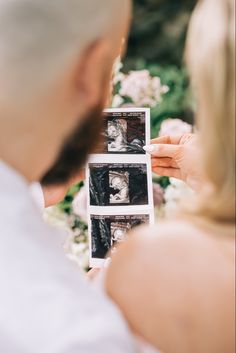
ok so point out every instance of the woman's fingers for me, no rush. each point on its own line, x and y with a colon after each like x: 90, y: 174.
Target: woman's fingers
x: 164, y: 162
x: 162, y: 150
x: 171, y: 140
x: 162, y: 139
x: 168, y: 172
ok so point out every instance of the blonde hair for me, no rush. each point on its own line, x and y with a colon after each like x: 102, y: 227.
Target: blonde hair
x: 210, y: 55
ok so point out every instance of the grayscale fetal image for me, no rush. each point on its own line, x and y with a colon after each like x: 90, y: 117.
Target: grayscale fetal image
x: 124, y: 133
x: 118, y: 184
x: 109, y: 231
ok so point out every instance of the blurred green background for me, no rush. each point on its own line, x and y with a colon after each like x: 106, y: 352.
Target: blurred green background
x: 158, y: 32
x: 157, y: 43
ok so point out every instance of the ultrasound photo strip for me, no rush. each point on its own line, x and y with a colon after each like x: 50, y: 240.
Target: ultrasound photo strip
x: 119, y: 181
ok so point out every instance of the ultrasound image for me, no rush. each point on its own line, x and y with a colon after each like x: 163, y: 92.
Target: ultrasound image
x: 123, y: 133
x: 109, y: 231
x: 118, y: 184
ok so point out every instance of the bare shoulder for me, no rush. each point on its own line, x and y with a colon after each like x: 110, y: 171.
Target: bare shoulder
x: 162, y: 278
x: 162, y: 249
x: 176, y: 246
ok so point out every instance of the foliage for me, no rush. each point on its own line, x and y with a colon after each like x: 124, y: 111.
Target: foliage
x: 177, y: 102
x: 158, y: 32
x: 66, y: 204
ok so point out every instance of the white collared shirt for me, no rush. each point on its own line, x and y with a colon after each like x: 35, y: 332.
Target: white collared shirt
x: 46, y: 305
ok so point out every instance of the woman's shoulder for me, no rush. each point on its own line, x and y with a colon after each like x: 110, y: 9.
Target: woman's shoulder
x: 163, y: 276
x: 160, y: 254
x: 187, y: 239
x: 178, y: 244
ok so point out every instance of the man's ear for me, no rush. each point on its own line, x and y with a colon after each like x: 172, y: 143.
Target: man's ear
x: 95, y: 66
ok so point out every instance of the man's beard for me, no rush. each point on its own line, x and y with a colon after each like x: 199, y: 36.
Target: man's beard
x: 76, y: 149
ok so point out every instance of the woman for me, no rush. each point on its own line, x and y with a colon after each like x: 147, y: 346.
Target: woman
x: 175, y: 282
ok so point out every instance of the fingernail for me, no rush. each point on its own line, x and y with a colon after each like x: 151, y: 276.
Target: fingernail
x: 149, y: 148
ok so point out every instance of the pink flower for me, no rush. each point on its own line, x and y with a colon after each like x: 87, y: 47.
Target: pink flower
x: 142, y: 88
x: 175, y: 127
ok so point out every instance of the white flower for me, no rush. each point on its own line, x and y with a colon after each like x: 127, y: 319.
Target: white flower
x: 142, y: 88
x: 77, y: 252
x: 56, y: 218
x: 117, y: 74
x: 117, y: 65
x: 117, y: 101
x: 177, y: 183
x: 170, y: 208
x: 175, y: 127
x: 118, y: 78
x: 147, y: 101
x: 80, y: 258
x: 174, y: 194
x: 135, y: 85
x: 165, y: 89
x: 79, y: 204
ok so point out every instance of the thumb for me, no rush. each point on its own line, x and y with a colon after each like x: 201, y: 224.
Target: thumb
x: 163, y: 150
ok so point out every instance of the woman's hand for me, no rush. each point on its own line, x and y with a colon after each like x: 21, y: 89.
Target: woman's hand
x: 177, y: 157
x: 54, y: 194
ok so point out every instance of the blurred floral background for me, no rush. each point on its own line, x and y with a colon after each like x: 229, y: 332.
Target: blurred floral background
x: 151, y: 75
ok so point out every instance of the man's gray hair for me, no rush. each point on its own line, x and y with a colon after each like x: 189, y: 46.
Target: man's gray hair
x: 37, y: 36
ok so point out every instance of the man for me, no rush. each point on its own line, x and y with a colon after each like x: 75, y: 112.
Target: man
x: 55, y: 62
